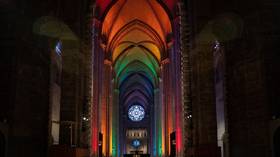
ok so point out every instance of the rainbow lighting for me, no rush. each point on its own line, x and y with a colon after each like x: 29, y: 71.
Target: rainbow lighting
x: 134, y: 65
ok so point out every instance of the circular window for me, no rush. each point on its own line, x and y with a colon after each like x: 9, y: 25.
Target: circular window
x: 136, y: 143
x: 136, y: 113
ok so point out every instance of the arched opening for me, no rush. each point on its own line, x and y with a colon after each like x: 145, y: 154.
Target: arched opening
x: 276, y: 143
x: 134, y: 60
x: 2, y: 144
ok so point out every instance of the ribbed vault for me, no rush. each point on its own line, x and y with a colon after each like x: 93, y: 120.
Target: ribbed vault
x: 125, y: 11
x: 134, y: 39
x: 135, y: 34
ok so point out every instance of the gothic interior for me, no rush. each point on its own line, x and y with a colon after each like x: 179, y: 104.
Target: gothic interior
x: 140, y: 78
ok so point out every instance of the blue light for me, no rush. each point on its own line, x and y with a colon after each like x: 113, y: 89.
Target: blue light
x: 136, y: 143
x: 136, y: 113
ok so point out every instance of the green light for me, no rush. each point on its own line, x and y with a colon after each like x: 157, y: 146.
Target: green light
x: 137, y: 67
x: 136, y: 54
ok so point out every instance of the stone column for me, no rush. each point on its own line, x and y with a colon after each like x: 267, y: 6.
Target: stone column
x: 156, y: 118
x: 204, y: 108
x: 55, y: 95
x: 167, y: 114
x: 106, y: 106
x: 115, y: 124
x: 183, y: 47
x: 70, y: 92
x: 96, y: 117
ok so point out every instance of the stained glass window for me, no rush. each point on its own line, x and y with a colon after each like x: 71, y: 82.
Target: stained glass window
x: 136, y: 143
x: 136, y: 113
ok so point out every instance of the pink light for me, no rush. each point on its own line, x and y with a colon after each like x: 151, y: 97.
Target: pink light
x: 171, y: 4
x: 179, y: 139
x: 102, y: 5
x: 94, y: 140
x: 178, y: 127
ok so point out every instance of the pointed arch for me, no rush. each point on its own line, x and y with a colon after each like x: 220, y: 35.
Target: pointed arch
x: 124, y: 11
x: 137, y: 67
x: 136, y: 54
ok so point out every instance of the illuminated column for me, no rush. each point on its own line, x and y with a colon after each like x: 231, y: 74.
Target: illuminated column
x: 173, y: 87
x: 181, y: 48
x: 97, y: 60
x: 166, y: 106
x: 105, y: 108
x: 157, y: 123
x: 185, y: 81
x: 152, y: 130
x: 115, y: 124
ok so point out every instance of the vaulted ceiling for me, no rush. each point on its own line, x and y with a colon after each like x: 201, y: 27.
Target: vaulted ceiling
x: 135, y: 36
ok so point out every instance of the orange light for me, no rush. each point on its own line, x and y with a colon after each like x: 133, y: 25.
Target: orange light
x: 125, y: 11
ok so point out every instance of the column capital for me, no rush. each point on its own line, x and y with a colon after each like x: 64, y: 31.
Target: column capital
x: 107, y: 62
x: 165, y: 61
